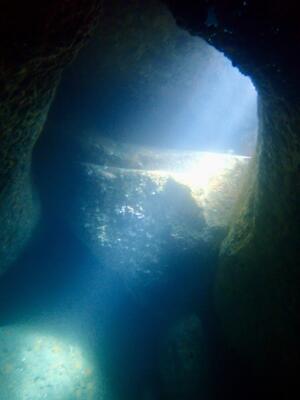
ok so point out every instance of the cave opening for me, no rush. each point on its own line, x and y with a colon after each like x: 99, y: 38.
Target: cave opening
x: 138, y: 169
x: 143, y: 80
x: 144, y: 253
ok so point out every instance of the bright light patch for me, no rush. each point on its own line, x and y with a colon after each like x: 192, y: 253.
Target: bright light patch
x: 214, y: 181
x: 200, y: 171
x: 35, y: 366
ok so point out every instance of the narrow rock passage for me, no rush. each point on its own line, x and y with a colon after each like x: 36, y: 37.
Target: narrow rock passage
x: 109, y: 252
x: 107, y: 321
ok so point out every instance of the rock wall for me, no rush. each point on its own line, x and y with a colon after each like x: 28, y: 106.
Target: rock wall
x: 257, y: 290
x: 37, y: 41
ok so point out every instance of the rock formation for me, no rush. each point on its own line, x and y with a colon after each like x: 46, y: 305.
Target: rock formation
x: 37, y: 41
x: 257, y: 291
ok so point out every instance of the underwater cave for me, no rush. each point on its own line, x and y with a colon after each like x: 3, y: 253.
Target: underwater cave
x: 149, y: 191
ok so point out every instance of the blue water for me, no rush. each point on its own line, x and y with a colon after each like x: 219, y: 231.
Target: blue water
x: 59, y: 288
x: 72, y: 325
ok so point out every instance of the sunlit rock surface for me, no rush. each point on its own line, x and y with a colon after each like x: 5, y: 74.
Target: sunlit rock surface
x: 138, y: 208
x: 36, y: 366
x: 184, y: 362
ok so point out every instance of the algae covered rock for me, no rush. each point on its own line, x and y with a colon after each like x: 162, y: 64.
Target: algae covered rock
x: 184, y: 362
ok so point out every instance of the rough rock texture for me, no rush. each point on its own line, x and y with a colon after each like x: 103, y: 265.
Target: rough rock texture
x: 184, y: 362
x: 37, y: 41
x: 257, y: 292
x: 150, y: 222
